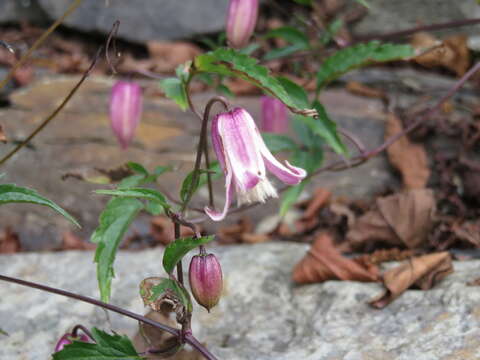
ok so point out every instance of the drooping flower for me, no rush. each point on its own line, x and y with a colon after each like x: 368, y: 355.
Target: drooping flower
x: 206, y: 280
x: 241, y: 20
x: 274, y: 115
x: 67, y: 339
x: 125, y: 110
x: 244, y: 158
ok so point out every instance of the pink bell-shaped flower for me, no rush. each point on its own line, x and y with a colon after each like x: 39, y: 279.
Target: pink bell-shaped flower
x: 68, y: 339
x: 241, y: 20
x: 274, y: 115
x: 206, y: 279
x: 244, y: 158
x: 125, y: 110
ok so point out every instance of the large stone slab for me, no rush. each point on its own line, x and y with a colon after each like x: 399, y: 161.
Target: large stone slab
x: 262, y: 315
x: 144, y: 20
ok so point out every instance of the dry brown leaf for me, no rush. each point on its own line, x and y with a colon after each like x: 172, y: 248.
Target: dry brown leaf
x: 363, y: 90
x: 168, y: 55
x: 232, y: 234
x: 319, y: 199
x: 409, y: 158
x: 469, y: 231
x: 324, y: 262
x: 250, y: 238
x: 385, y: 255
x: 422, y: 272
x: 72, y: 242
x: 451, y: 53
x: 403, y: 219
x: 9, y: 242
x: 162, y: 230
x: 3, y: 138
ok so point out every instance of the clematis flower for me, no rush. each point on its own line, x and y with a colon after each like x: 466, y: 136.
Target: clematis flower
x: 125, y: 110
x: 274, y: 115
x: 67, y: 339
x: 206, y: 279
x: 244, y: 158
x: 241, y: 20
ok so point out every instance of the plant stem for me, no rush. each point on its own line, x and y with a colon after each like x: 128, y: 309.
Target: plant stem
x: 84, y: 329
x: 39, y: 42
x: 54, y: 113
x: 176, y: 226
x: 189, y: 338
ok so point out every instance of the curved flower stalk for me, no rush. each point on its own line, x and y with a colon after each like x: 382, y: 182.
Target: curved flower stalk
x: 274, y: 115
x: 244, y: 158
x: 241, y: 20
x: 125, y: 110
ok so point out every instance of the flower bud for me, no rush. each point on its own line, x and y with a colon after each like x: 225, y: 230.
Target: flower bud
x: 206, y: 281
x: 125, y: 110
x: 274, y: 116
x: 68, y: 339
x: 241, y: 21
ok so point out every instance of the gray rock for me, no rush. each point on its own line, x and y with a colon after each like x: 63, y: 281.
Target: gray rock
x: 261, y: 316
x: 387, y: 16
x: 143, y: 20
x: 21, y: 10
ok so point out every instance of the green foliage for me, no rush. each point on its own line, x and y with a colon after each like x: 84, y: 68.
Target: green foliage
x: 176, y: 250
x: 297, y: 39
x: 290, y: 196
x: 151, y: 289
x: 107, y: 347
x: 331, y: 31
x: 325, y: 128
x: 228, y: 62
x: 142, y: 177
x: 10, y: 193
x: 215, y: 171
x: 139, y: 193
x: 359, y: 55
x: 113, y: 224
x: 296, y: 92
x: 277, y: 142
x: 174, y: 89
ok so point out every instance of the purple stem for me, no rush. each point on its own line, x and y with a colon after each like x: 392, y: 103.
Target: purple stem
x: 190, y: 339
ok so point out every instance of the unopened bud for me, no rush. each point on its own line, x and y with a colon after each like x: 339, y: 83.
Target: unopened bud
x: 125, y: 110
x: 274, y: 116
x: 67, y: 339
x: 206, y: 280
x: 241, y: 20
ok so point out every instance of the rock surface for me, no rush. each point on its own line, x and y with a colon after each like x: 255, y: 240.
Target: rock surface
x: 387, y: 16
x: 262, y: 315
x: 160, y: 20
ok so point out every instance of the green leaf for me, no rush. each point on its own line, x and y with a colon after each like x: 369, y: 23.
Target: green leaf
x: 325, y: 128
x: 277, y: 142
x: 359, y: 55
x: 291, y: 35
x: 331, y: 31
x: 225, y: 90
x: 113, y: 224
x: 290, y: 196
x: 296, y: 92
x: 153, y: 289
x: 131, y: 181
x: 201, y: 180
x: 136, y: 192
x: 10, y: 193
x: 106, y: 347
x: 229, y: 62
x: 174, y: 89
x: 137, y: 168
x: 303, y: 2
x: 282, y: 52
x: 176, y: 250
x: 154, y: 208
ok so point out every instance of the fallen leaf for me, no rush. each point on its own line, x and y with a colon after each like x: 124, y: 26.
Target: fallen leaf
x: 409, y: 158
x: 9, y: 242
x: 250, y: 238
x: 422, y: 272
x: 324, y: 262
x: 319, y: 199
x: 363, y: 90
x: 468, y: 231
x: 385, y: 255
x: 167, y: 56
x: 3, y: 138
x: 403, y: 219
x: 232, y: 234
x: 162, y: 230
x: 451, y: 53
x: 70, y: 241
